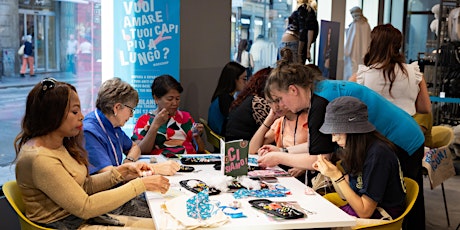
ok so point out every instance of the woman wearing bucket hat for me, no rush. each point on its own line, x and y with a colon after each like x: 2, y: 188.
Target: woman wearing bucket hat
x: 371, y: 166
x: 301, y: 87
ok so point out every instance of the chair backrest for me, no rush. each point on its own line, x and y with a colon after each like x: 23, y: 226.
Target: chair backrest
x: 441, y: 136
x: 212, y: 137
x: 14, y: 197
x: 396, y: 224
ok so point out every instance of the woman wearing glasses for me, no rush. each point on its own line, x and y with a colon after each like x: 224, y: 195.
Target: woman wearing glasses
x: 231, y: 81
x: 52, y: 166
x: 108, y: 146
x: 167, y: 129
x: 105, y: 141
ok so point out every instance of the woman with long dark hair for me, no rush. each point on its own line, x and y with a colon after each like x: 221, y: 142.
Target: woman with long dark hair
x: 232, y: 80
x: 373, y: 183
x: 249, y: 109
x: 52, y: 166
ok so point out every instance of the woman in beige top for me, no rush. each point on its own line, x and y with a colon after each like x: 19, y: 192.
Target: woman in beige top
x: 52, y: 166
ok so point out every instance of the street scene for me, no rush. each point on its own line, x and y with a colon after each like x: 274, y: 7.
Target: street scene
x: 13, y: 95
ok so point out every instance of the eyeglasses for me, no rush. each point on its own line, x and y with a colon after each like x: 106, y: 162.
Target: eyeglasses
x: 131, y: 108
x: 48, y: 83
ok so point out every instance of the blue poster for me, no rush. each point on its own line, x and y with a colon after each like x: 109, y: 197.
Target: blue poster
x: 146, y: 45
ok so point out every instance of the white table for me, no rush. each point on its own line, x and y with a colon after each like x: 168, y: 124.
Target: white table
x: 325, y: 214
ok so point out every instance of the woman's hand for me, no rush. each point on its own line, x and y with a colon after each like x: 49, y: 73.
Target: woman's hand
x: 156, y: 183
x: 295, y: 172
x: 270, y: 159
x: 167, y: 168
x: 327, y: 168
x: 266, y: 149
x: 161, y: 118
x: 133, y: 170
x: 197, y: 129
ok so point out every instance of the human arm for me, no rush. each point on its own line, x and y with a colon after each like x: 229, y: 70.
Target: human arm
x: 67, y: 185
x: 362, y: 205
x: 423, y: 102
x: 301, y: 160
x: 353, y: 78
x: 295, y: 172
x: 300, y: 148
x: 263, y: 136
x: 167, y: 168
x: 133, y: 153
x: 147, y: 142
x: 311, y: 35
x: 153, y: 182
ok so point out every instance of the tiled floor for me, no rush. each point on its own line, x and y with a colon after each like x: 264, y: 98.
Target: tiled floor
x: 434, y: 205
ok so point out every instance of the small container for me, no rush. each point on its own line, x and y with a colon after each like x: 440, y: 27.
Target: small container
x: 195, y: 131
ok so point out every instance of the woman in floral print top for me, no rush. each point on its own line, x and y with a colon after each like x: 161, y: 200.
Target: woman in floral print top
x: 167, y: 130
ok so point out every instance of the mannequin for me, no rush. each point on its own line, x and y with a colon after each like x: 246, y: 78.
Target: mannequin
x: 434, y: 24
x: 357, y: 40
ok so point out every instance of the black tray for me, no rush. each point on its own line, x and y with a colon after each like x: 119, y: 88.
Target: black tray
x: 276, y: 209
x: 199, y: 187
x: 185, y: 168
x: 198, y: 160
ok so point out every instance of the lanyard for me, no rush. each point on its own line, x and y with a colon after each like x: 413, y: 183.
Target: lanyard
x: 284, y: 125
x: 110, y: 139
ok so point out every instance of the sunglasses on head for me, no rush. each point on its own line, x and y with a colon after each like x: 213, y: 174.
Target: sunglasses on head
x: 48, y: 83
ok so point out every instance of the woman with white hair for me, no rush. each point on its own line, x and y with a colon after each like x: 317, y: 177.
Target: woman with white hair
x: 28, y: 56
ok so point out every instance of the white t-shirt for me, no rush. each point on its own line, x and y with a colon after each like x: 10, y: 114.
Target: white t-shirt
x: 405, y: 89
x: 72, y: 46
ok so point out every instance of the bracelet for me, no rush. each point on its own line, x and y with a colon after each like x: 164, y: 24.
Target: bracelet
x: 340, y: 179
x: 129, y: 158
x: 284, y: 150
x: 268, y: 127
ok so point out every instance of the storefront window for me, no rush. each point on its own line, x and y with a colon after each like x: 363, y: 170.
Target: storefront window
x: 418, y: 37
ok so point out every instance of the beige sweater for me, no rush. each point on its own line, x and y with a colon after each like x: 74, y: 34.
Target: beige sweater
x: 54, y: 185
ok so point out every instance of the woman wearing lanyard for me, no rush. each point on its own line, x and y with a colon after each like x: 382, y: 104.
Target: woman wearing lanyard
x: 106, y: 142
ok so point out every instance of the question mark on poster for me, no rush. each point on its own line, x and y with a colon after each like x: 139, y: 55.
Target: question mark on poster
x: 166, y: 50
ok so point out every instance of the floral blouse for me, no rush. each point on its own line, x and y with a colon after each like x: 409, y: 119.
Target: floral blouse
x: 173, y: 137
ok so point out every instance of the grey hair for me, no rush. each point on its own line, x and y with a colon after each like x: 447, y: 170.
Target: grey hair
x: 114, y: 91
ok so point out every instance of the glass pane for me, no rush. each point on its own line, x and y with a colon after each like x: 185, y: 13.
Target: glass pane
x: 51, y: 39
x: 40, y: 42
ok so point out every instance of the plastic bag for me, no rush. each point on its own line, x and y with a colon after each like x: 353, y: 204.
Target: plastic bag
x: 21, y: 50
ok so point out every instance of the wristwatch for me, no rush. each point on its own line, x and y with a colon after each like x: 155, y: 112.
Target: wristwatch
x: 284, y: 150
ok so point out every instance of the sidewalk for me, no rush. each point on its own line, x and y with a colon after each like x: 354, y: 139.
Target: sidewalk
x: 27, y: 81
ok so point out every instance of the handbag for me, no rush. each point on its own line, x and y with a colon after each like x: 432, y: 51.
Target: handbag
x: 21, y: 50
x: 322, y: 184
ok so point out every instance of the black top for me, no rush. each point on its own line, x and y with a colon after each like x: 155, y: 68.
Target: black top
x: 244, y: 120
x: 320, y: 143
x: 307, y: 21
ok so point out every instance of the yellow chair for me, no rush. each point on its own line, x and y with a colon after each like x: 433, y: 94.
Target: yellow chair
x: 442, y: 138
x: 14, y: 197
x: 212, y: 137
x: 411, y: 196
